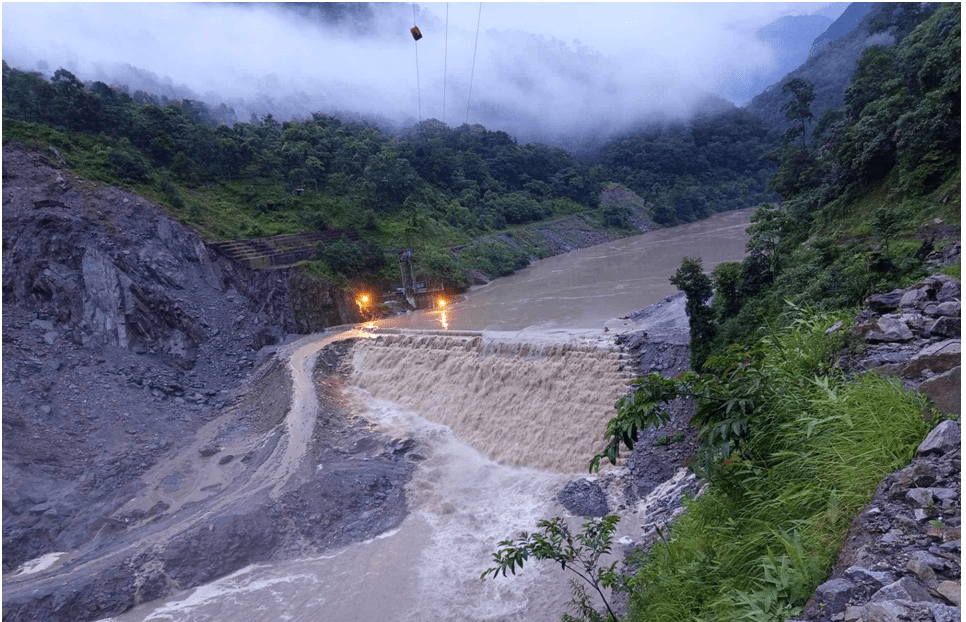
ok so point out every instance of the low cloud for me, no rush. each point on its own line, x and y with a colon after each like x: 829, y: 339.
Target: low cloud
x: 292, y: 60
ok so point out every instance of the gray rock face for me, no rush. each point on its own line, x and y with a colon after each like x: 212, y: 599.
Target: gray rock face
x: 584, y: 497
x: 944, y: 438
x: 945, y: 391
x: 123, y: 338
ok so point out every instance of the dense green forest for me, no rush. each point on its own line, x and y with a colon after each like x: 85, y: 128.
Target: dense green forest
x: 429, y: 187
x: 859, y: 199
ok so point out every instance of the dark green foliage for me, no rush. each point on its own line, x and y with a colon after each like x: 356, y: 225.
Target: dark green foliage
x: 791, y: 451
x: 726, y: 278
x: 128, y: 164
x: 351, y: 258
x: 580, y: 553
x: 696, y: 285
x: 170, y: 191
x: 904, y: 105
x: 517, y: 207
x: 899, y: 131
x: 688, y: 171
x: 769, y: 227
x: 798, y: 109
x: 493, y: 257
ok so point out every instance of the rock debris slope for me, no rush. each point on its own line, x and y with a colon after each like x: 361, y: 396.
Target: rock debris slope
x: 143, y: 403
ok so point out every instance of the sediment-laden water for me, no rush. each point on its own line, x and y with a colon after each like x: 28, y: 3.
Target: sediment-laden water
x: 500, y: 420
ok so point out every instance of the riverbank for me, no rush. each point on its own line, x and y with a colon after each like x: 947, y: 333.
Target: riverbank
x: 901, y: 556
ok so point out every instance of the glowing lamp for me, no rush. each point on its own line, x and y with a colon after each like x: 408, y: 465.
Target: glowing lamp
x: 441, y: 303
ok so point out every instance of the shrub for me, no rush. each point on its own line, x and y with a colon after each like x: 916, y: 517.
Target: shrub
x: 493, y: 258
x: 351, y: 258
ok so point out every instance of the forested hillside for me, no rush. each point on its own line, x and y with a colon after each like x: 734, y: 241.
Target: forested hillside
x: 831, y: 63
x: 793, y: 442
x: 430, y: 187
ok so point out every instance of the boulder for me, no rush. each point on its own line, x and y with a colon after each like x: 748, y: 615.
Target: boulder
x: 946, y: 327
x: 937, y: 358
x: 951, y: 591
x: 584, y: 497
x: 890, y: 330
x: 912, y: 297
x: 906, y: 588
x: 942, y: 440
x: 948, y: 292
x: 835, y: 595
x: 884, y: 303
x: 944, y: 391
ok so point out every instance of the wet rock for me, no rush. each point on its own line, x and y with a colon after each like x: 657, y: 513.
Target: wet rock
x: 475, y: 277
x: 890, y: 330
x: 399, y: 447
x: 943, y: 439
x: 584, y: 497
x: 945, y: 391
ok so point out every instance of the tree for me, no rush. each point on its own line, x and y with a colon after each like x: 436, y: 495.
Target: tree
x: 799, y: 108
x: 726, y: 278
x: 767, y: 229
x: 578, y: 553
x: 696, y: 285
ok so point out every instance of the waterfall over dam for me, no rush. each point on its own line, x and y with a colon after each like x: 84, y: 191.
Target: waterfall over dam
x: 496, y: 404
x: 540, y: 405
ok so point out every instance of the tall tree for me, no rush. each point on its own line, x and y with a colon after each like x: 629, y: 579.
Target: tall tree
x: 696, y: 285
x: 799, y: 108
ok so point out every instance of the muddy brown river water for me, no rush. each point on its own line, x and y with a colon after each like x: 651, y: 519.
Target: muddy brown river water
x: 541, y: 330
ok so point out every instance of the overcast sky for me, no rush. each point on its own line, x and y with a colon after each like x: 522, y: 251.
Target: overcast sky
x: 542, y: 69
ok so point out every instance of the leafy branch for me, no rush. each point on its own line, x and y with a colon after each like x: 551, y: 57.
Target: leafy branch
x: 578, y: 553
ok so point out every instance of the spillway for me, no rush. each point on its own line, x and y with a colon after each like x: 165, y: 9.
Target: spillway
x: 540, y: 405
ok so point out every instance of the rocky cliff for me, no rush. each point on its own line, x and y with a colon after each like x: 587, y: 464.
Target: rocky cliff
x: 125, y: 342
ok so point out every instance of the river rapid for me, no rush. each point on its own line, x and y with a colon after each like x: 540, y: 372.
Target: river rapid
x: 505, y: 400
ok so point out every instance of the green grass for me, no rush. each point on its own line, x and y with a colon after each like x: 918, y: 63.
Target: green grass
x: 765, y: 533
x: 848, y: 217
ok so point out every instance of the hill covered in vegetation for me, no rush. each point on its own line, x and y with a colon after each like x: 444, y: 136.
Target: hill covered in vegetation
x: 793, y: 439
x: 430, y: 187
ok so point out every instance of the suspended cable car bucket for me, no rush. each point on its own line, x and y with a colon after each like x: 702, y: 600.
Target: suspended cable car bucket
x: 416, y: 34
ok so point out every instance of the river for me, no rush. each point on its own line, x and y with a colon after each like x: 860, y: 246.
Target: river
x: 502, y: 417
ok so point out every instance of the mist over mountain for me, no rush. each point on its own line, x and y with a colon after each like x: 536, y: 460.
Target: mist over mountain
x: 292, y: 59
x: 829, y: 67
x: 842, y: 26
